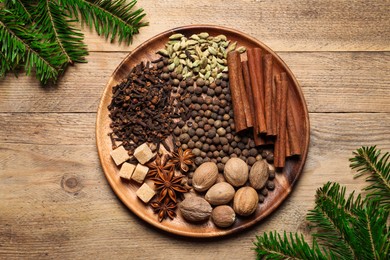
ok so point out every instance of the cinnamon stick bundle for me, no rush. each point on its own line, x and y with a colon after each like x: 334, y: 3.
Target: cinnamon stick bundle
x: 247, y: 81
x: 280, y: 144
x: 241, y: 107
x: 256, y: 79
x: 268, y: 98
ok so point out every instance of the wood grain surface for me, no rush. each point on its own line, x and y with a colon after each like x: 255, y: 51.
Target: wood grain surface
x: 55, y: 202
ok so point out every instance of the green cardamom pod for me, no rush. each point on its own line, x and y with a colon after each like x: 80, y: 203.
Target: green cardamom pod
x: 176, y: 36
x: 163, y: 52
x: 171, y: 66
x: 241, y: 49
x: 212, y: 50
x: 191, y: 42
x: 231, y: 47
x: 195, y: 37
x: 203, y: 35
x: 176, y: 47
x: 222, y: 37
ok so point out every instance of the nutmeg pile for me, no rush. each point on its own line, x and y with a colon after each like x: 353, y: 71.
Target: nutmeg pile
x: 175, y: 133
x: 235, y: 192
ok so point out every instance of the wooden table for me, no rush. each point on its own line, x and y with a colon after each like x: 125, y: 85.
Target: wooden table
x: 54, y: 199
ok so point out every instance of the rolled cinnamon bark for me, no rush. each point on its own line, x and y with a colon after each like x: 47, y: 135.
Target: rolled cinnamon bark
x: 234, y: 65
x: 268, y: 100
x: 255, y: 73
x: 280, y: 145
x: 247, y: 81
x: 293, y: 137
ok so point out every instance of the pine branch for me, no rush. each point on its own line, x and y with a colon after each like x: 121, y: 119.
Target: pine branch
x: 273, y: 246
x: 331, y: 216
x: 114, y: 18
x: 51, y: 22
x: 20, y: 45
x: 367, y: 161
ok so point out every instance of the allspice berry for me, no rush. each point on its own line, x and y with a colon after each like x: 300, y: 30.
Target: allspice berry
x: 236, y: 172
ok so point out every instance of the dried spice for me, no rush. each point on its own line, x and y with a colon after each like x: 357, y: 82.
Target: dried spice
x: 169, y: 186
x: 165, y: 208
x: 142, y: 108
x: 159, y: 165
x: 183, y: 159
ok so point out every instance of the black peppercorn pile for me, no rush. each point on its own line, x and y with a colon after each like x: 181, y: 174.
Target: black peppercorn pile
x: 142, y: 107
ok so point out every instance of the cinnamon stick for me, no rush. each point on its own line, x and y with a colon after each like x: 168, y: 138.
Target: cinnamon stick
x: 278, y: 96
x: 293, y: 137
x: 258, y: 54
x: 245, y: 95
x: 268, y: 100
x: 280, y: 145
x: 247, y: 81
x: 288, y: 146
x: 255, y: 73
x: 234, y: 65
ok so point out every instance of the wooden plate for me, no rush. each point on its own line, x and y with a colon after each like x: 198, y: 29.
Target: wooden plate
x: 126, y: 190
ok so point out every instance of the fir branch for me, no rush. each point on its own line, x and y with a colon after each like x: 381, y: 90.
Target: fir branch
x: 273, y: 246
x: 331, y: 216
x: 19, y: 44
x: 371, y: 231
x: 22, y: 9
x: 115, y: 18
x: 367, y: 161
x: 51, y: 22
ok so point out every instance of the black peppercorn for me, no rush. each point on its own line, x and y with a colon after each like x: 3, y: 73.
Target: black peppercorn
x: 270, y: 185
x: 223, y: 140
x: 184, y: 146
x: 218, y: 82
x: 270, y: 157
x: 212, y: 148
x: 233, y: 144
x: 261, y: 198
x: 204, y: 89
x: 253, y: 152
x: 201, y: 124
x: 207, y: 127
x: 177, y: 131
x: 189, y: 81
x: 220, y: 166
x: 195, y: 138
x: 213, y: 85
x: 251, y: 160
x: 205, y: 147
x: 198, y: 161
x: 210, y: 92
x: 241, y: 146
x: 191, y: 144
x: 200, y: 82
x: 198, y: 91
x: 194, y: 113
x: 203, y: 139
x: 199, y: 132
x: 218, y: 90
x: 209, y: 141
x: 237, y: 151
x: 196, y: 151
x: 198, y: 144
x: 207, y: 113
x: 211, y: 133
x: 264, y: 192
x: 181, y: 123
x: 231, y: 150
x: 203, y: 154
x: 225, y: 148
x: 214, y: 116
x: 209, y: 154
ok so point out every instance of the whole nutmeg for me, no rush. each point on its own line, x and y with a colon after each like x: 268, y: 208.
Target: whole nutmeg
x: 258, y: 175
x: 245, y: 201
x: 205, y: 176
x: 220, y: 193
x: 195, y: 209
x: 236, y: 172
x: 223, y: 216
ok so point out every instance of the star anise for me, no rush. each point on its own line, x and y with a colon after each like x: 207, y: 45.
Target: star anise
x: 165, y: 208
x: 182, y: 159
x: 160, y: 164
x: 169, y: 185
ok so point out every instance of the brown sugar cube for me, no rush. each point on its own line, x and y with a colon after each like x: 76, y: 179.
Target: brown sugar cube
x: 127, y: 170
x: 119, y: 155
x: 145, y: 193
x: 139, y: 173
x: 143, y: 153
